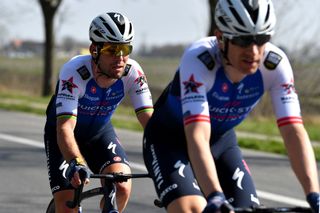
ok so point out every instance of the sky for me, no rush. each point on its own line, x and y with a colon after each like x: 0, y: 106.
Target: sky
x: 156, y: 22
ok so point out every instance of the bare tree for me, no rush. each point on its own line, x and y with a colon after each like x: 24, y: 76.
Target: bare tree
x: 212, y: 5
x: 49, y: 9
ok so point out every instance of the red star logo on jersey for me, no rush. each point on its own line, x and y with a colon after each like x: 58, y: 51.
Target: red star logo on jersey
x: 141, y: 79
x: 289, y: 87
x: 68, y: 85
x: 191, y: 85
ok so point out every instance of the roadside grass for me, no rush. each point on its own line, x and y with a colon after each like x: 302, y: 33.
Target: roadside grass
x: 124, y: 117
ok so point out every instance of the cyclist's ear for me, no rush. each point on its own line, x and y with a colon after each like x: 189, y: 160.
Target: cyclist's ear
x: 219, y: 37
x: 93, y: 50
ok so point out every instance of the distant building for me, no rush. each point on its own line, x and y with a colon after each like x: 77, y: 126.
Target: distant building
x: 23, y: 48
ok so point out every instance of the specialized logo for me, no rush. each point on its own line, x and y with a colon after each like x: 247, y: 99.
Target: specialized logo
x: 240, y: 87
x: 68, y: 85
x: 181, y: 167
x: 117, y: 16
x: 207, y: 60
x: 238, y: 176
x: 83, y: 72
x: 113, y: 147
x: 272, y: 60
x: 289, y: 87
x: 191, y: 85
x: 63, y: 167
x: 254, y: 199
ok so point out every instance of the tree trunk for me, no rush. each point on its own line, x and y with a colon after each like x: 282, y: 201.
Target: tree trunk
x: 49, y: 8
x: 48, y: 58
x: 213, y: 26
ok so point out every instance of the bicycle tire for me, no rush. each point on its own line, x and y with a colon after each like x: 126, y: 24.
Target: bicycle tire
x: 295, y: 209
x: 84, y: 195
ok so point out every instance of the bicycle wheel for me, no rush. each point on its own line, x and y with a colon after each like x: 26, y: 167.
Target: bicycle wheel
x: 88, y: 205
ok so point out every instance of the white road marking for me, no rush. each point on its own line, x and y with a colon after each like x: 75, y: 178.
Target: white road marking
x: 141, y: 167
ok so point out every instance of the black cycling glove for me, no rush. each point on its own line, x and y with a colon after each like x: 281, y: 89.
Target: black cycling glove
x: 78, y: 166
x: 313, y: 200
x: 217, y: 201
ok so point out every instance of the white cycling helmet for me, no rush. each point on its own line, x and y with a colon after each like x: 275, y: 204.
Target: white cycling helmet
x: 111, y: 27
x: 245, y: 17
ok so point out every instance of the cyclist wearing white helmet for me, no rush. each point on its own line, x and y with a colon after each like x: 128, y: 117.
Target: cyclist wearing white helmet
x: 78, y: 129
x: 190, y: 147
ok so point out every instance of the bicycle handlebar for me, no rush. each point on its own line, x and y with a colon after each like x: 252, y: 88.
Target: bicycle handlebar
x: 118, y: 177
x: 115, y: 177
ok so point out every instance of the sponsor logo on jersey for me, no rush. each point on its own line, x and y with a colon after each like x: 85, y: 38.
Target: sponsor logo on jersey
x: 127, y: 69
x: 93, y: 90
x: 191, y: 85
x: 68, y: 85
x: 225, y: 87
x: 141, y: 79
x: 142, y: 90
x: 83, y: 72
x: 289, y: 87
x: 117, y: 159
x: 91, y: 98
x: 207, y: 60
x: 272, y: 60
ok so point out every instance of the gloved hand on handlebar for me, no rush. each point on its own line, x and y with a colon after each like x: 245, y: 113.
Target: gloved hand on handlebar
x: 217, y: 202
x: 77, y: 172
x: 313, y: 200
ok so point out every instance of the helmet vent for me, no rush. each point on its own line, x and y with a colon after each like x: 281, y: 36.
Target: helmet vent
x: 109, y: 28
x: 130, y: 28
x: 97, y: 33
x: 121, y: 28
x: 221, y: 19
x: 268, y: 14
x: 112, y: 39
x: 240, y: 30
x: 236, y: 15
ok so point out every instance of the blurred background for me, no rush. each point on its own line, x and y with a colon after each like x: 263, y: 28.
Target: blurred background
x: 38, y: 36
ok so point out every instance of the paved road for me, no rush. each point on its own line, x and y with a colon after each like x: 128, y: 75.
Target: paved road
x: 24, y: 184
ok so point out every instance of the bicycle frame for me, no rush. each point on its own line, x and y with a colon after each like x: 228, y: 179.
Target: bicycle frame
x: 108, y: 190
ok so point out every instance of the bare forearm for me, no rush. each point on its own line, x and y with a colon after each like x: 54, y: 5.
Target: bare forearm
x: 67, y: 145
x: 302, y: 159
x: 203, y: 165
x: 205, y: 170
x: 66, y: 140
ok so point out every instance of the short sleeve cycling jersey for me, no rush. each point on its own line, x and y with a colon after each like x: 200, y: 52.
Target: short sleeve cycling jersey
x: 201, y: 91
x: 79, y: 96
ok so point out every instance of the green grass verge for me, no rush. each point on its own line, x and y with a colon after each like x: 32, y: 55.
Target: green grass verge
x: 269, y: 146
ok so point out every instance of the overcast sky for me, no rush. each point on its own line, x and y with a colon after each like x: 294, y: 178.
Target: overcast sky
x: 156, y: 22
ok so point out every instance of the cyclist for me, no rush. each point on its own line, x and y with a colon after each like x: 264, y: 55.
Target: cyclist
x: 190, y: 146
x: 78, y: 131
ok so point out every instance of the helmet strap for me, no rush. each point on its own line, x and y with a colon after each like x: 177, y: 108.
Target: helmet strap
x: 225, y: 50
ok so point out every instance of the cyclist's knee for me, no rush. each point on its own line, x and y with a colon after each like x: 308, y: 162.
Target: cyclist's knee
x: 124, y: 189
x: 60, y: 199
x: 190, y: 203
